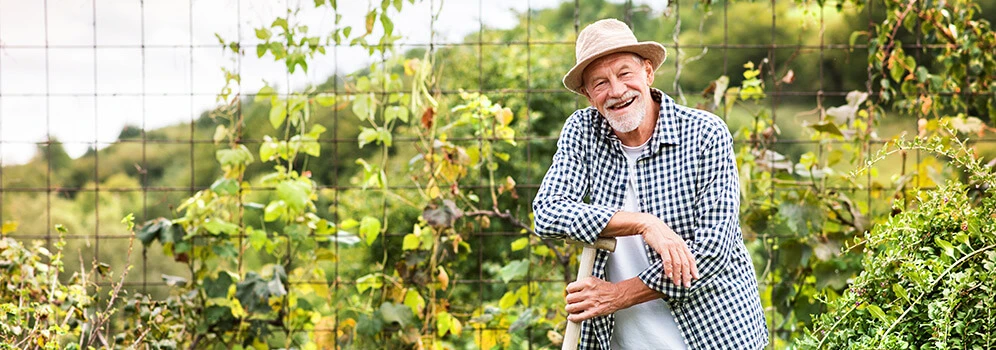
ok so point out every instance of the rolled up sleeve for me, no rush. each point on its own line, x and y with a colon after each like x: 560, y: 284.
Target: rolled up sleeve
x: 716, y: 213
x: 559, y: 208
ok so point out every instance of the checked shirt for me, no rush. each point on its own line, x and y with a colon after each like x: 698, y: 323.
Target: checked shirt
x: 687, y: 177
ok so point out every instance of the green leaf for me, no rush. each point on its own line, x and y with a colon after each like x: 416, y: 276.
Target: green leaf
x: 827, y: 127
x: 308, y: 146
x: 371, y: 281
x: 947, y: 246
x: 369, y: 325
x: 278, y: 50
x: 514, y: 269
x: 900, y: 291
x: 268, y: 150
x: 396, y: 313
x: 279, y: 22
x: 265, y: 94
x: 444, y: 322
x: 263, y: 34
x: 361, y: 106
x: 520, y: 243
x: 325, y: 100
x: 218, y: 226
x: 854, y: 37
x: 278, y: 113
x: 274, y: 210
x: 411, y: 242
x: 257, y: 238
x: 395, y: 112
x: 387, y: 23
x: 896, y: 72
x: 414, y: 301
x: 240, y: 155
x: 316, y: 131
x: 526, y: 319
x: 397, y: 5
x: 218, y: 287
x: 877, y: 312
x: 384, y: 136
x: 368, y: 135
x: 225, y: 187
x: 174, y: 281
x: 147, y: 233
x: 369, y: 229
x: 348, y: 224
x: 295, y: 193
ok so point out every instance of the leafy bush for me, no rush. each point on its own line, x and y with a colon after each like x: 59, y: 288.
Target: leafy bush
x: 928, y: 276
x: 39, y: 310
x: 929, y: 284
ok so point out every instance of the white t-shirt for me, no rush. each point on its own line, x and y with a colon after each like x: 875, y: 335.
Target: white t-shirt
x: 649, y: 325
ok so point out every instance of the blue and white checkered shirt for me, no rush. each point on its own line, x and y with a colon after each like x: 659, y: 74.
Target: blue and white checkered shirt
x: 687, y: 177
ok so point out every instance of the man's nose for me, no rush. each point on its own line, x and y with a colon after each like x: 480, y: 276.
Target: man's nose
x: 616, y: 88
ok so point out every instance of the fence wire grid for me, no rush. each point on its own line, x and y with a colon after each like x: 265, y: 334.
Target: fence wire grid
x: 57, y: 84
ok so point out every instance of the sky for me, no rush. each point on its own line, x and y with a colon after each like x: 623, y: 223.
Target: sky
x: 80, y: 70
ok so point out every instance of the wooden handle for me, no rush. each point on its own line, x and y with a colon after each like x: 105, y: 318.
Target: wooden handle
x: 586, y: 264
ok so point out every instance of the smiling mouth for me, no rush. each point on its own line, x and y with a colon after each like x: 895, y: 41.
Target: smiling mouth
x: 622, y: 105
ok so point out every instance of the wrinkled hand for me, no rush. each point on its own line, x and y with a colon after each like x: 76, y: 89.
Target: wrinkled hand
x: 591, y: 297
x: 677, y: 260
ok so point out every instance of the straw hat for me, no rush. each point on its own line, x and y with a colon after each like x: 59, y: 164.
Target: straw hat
x: 606, y: 37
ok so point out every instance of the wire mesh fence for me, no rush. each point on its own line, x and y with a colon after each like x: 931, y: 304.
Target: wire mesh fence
x: 104, y: 106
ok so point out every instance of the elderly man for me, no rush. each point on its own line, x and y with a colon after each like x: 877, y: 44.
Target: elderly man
x: 662, y: 179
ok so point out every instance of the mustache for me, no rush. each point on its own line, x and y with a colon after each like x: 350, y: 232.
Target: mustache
x: 625, y: 97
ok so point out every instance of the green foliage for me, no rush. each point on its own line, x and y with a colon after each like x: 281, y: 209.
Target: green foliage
x: 38, y: 310
x: 953, y: 72
x: 928, y: 282
x: 269, y: 257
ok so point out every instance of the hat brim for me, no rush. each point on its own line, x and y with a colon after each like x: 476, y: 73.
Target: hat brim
x: 650, y: 50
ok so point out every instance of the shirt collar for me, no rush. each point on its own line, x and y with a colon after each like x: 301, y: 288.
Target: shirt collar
x: 665, y: 133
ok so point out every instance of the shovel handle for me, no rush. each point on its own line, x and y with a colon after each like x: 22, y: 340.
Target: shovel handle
x: 586, y: 264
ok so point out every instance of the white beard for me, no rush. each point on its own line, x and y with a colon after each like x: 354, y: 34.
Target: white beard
x: 630, y: 120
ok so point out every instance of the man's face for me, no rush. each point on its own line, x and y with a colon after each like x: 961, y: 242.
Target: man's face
x: 618, y: 85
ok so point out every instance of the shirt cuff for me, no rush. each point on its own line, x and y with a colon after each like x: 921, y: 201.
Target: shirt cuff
x: 590, y: 223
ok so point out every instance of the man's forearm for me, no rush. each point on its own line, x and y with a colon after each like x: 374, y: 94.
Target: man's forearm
x: 625, y: 223
x: 634, y: 292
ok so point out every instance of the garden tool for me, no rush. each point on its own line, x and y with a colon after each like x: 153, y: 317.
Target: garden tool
x: 585, y: 264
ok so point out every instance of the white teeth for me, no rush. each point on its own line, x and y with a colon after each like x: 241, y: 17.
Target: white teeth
x: 624, y: 103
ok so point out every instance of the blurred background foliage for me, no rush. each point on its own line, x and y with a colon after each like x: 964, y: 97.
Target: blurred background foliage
x: 811, y: 91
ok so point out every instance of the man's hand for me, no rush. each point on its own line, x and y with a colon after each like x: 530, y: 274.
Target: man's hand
x: 592, y: 297
x: 677, y: 260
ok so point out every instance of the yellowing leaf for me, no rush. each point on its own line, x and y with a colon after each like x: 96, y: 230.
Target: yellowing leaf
x: 507, y: 301
x: 411, y: 66
x: 504, y: 116
x: 371, y: 16
x: 432, y: 191
x: 443, y: 278
x: 520, y: 243
x: 219, y: 134
x: 8, y: 227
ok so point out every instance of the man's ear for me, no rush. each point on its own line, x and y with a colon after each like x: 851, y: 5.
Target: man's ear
x: 584, y: 92
x: 649, y: 67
